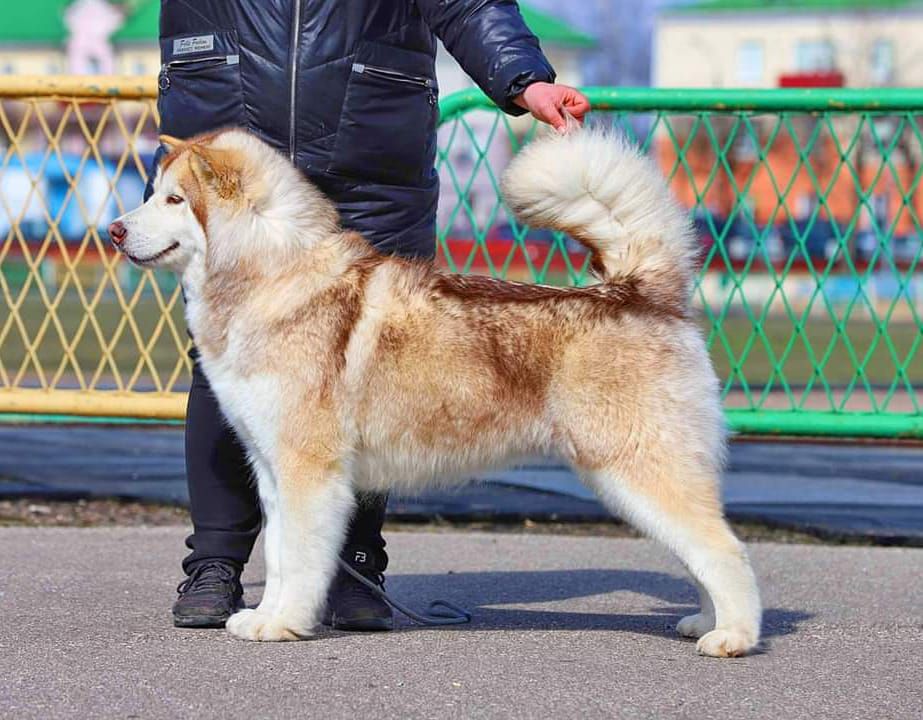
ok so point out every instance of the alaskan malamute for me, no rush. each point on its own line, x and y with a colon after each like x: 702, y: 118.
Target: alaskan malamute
x: 343, y: 369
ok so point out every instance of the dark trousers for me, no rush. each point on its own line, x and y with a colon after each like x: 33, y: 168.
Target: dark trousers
x: 223, y: 497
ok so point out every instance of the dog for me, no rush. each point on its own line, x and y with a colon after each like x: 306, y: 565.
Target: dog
x: 342, y: 369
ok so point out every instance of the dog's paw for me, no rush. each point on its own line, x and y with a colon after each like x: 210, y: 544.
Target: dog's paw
x: 723, y: 642
x: 262, y: 627
x: 695, y: 626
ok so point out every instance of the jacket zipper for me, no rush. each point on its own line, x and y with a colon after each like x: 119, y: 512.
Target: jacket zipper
x: 163, y: 81
x: 293, y: 73
x: 397, y: 76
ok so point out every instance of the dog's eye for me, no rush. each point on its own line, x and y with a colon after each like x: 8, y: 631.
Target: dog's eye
x: 174, y: 200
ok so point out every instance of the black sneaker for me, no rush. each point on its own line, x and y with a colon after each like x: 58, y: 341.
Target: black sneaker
x: 209, y: 596
x: 353, y: 606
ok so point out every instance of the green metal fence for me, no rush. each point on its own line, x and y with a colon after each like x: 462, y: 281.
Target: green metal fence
x: 808, y: 207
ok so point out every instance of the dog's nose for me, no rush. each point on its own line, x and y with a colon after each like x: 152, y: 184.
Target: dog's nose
x: 117, y: 233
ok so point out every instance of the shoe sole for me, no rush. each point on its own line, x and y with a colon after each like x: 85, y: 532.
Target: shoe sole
x: 211, y: 621
x: 199, y: 621
x: 204, y: 621
x: 366, y: 625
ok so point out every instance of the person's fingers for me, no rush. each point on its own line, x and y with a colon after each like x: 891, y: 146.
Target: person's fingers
x: 556, y: 104
x: 575, y: 114
x: 572, y: 124
x: 544, y: 110
x: 552, y: 114
x: 577, y: 105
x: 581, y: 109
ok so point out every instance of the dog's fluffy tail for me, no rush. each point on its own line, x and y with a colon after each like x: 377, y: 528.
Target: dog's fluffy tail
x: 594, y: 186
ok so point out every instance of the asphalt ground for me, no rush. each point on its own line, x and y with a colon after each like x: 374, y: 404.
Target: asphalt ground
x: 564, y: 627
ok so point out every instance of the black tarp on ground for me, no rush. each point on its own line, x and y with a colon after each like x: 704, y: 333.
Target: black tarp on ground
x: 836, y: 489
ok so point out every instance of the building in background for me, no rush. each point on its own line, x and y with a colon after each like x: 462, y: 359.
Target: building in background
x: 805, y: 186
x: 622, y: 32
x: 789, y: 43
x: 35, y: 38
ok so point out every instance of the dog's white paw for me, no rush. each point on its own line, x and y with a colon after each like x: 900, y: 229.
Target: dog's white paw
x: 695, y: 626
x: 263, y: 627
x: 726, y: 642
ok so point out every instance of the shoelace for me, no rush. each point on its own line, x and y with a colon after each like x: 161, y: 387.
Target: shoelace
x: 207, y: 576
x: 373, y: 576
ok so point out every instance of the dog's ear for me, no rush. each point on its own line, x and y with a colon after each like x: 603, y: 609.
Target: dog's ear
x: 171, y: 143
x: 215, y: 169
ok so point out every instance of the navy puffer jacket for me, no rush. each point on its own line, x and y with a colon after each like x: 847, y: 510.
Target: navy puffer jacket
x: 345, y: 88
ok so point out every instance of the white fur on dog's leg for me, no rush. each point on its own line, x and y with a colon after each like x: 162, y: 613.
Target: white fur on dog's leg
x: 695, y: 626
x: 272, y: 589
x: 732, y: 586
x: 314, y: 510
x: 269, y: 500
x: 726, y: 643
x: 262, y: 627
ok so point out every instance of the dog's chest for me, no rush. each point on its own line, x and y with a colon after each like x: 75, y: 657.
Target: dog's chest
x: 251, y: 403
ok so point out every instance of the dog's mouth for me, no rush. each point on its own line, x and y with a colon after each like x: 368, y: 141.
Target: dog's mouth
x: 152, y: 258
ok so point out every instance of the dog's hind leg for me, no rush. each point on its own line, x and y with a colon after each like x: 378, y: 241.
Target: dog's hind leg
x: 315, y: 501
x: 679, y: 504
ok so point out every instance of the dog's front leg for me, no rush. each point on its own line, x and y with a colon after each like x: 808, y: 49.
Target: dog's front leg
x: 314, y: 504
x: 268, y: 486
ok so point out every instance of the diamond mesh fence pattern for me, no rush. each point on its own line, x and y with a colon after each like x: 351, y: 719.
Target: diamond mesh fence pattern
x: 808, y: 213
x: 73, y: 316
x: 810, y: 289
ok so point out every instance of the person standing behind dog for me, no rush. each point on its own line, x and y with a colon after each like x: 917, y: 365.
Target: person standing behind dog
x: 347, y: 90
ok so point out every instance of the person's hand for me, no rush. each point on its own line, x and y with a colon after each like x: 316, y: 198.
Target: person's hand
x: 552, y: 103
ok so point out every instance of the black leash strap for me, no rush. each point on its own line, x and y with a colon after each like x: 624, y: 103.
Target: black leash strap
x: 439, y: 612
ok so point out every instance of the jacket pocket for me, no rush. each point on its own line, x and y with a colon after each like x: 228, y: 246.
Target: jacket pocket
x: 387, y: 127
x: 199, y: 84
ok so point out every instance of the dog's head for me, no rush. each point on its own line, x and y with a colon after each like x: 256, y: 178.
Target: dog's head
x: 217, y: 197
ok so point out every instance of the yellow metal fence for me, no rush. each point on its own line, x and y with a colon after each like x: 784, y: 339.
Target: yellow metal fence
x: 81, y: 332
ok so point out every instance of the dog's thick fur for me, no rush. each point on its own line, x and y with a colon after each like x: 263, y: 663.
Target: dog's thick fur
x: 342, y: 369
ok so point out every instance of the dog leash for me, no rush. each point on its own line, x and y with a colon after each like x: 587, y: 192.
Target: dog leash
x: 439, y: 612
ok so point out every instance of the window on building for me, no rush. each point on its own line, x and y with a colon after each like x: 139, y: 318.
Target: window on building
x: 815, y: 56
x: 882, y: 62
x: 750, y: 62
x: 7, y: 68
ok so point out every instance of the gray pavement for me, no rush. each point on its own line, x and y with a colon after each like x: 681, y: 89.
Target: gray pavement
x: 563, y: 627
x: 829, y: 488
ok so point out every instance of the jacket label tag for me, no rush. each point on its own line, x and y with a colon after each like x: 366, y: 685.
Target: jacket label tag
x: 199, y: 43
